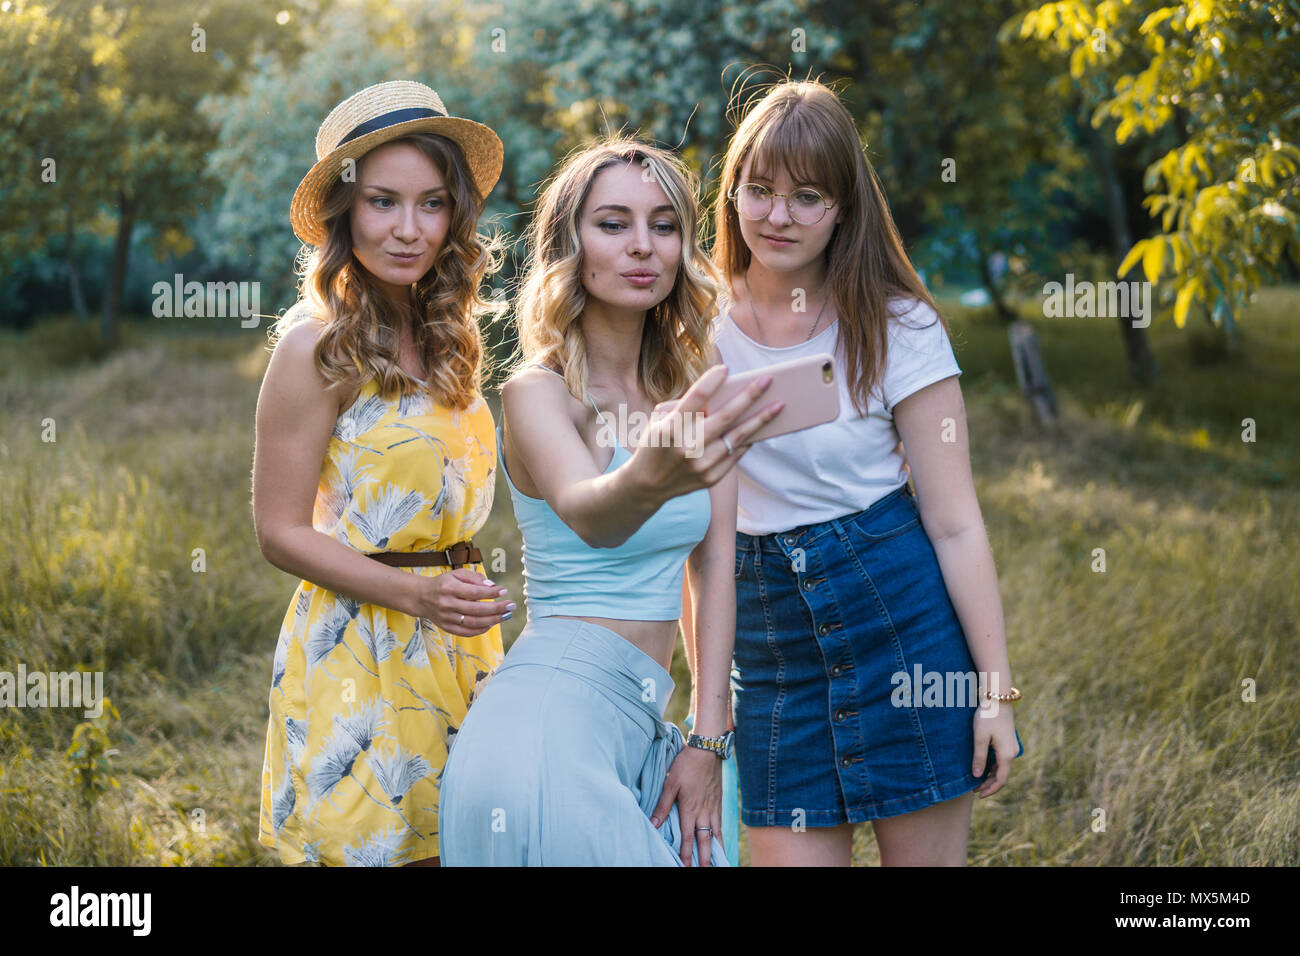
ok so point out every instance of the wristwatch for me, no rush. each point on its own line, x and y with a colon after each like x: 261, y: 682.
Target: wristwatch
x: 721, y: 745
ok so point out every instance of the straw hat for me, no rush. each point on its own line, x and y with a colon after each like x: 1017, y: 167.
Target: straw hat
x: 373, y: 116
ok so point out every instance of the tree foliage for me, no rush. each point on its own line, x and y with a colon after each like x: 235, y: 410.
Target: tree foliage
x: 1222, y: 78
x: 983, y: 146
x: 103, y: 130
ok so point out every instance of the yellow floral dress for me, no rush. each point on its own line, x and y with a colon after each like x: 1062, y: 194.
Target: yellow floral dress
x: 365, y: 700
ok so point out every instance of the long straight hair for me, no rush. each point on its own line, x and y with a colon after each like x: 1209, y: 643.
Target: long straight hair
x: 361, y: 336
x: 803, y: 126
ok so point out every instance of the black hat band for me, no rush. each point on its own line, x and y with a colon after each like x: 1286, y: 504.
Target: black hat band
x: 391, y: 118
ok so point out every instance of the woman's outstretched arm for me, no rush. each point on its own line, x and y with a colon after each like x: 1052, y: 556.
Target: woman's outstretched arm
x: 604, y: 510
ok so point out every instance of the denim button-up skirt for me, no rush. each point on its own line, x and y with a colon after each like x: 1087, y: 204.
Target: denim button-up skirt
x: 562, y: 757
x: 854, y: 691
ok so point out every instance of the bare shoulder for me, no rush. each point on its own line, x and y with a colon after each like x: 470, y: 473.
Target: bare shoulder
x: 294, y: 373
x: 540, y: 446
x: 533, y: 403
x: 532, y: 390
x: 295, y: 350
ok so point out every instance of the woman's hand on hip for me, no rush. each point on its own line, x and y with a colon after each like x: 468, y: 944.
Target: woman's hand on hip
x: 460, y: 602
x: 694, y: 782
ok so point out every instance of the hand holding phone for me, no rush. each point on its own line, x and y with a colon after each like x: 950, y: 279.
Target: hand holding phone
x: 683, y: 448
x: 806, y: 385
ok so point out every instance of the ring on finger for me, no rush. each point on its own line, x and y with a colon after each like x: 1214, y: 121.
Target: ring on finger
x: 462, y: 619
x: 710, y: 829
x: 730, y: 450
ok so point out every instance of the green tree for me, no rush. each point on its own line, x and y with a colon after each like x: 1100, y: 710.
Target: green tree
x: 664, y: 67
x: 1222, y: 79
x: 103, y: 128
x: 1079, y: 93
x: 968, y: 161
x: 265, y: 135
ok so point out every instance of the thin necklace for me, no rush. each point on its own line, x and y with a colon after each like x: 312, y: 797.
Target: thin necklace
x: 759, y: 325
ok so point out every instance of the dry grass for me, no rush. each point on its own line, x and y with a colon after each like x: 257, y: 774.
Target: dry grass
x: 1133, y: 677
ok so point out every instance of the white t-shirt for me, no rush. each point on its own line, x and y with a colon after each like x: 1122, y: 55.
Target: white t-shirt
x: 841, y: 467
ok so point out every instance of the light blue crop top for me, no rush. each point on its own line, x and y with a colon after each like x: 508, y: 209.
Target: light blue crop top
x: 640, y: 580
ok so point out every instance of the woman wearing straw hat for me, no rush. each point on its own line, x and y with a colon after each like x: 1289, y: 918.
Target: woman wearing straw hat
x: 374, y: 465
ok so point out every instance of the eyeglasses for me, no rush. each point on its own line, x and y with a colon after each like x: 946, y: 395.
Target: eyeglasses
x: 805, y: 205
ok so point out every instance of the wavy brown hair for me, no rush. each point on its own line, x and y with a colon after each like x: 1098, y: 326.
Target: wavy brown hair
x: 803, y: 126
x: 676, y: 339
x: 360, y: 340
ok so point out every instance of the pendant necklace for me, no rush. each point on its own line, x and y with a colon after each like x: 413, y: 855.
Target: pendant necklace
x: 759, y: 325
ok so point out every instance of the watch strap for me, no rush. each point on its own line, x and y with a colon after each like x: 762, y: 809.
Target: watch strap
x: 720, y: 745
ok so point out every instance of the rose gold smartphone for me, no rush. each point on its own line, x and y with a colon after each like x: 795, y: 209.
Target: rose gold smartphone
x: 806, y: 385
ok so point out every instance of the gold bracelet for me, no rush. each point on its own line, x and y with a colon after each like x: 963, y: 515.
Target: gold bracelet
x: 1005, y: 698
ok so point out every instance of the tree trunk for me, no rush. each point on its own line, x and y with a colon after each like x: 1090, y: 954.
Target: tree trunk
x: 117, y: 272
x: 1031, y: 372
x: 990, y: 285
x: 1142, y: 364
x: 1031, y: 369
x: 74, y: 274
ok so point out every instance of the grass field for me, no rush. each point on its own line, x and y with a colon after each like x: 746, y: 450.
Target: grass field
x: 1133, y: 678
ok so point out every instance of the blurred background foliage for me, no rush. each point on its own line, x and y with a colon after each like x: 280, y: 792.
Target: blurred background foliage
x: 142, y: 139
x: 1017, y: 142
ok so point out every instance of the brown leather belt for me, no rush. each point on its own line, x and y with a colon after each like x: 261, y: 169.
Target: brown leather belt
x: 458, y: 555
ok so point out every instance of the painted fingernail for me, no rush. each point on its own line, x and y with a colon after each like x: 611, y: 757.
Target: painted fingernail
x: 511, y: 606
x: 501, y: 592
x: 489, y: 583
x: 508, y: 615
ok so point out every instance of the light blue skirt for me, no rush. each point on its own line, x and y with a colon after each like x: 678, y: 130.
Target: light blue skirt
x: 562, y: 758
